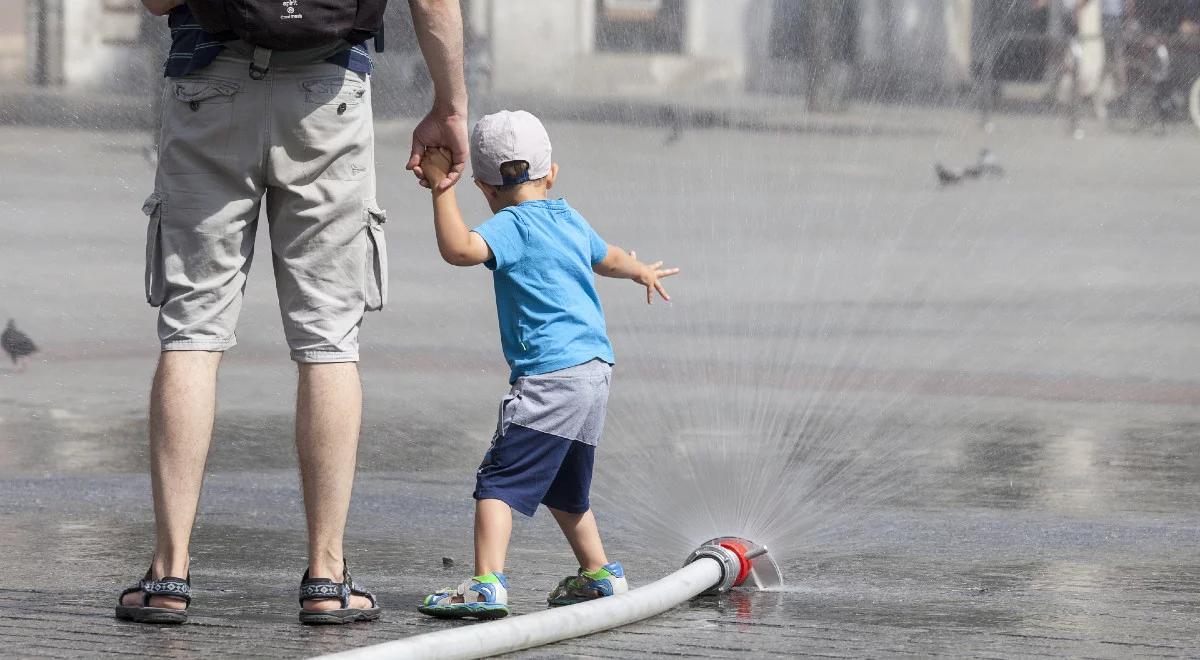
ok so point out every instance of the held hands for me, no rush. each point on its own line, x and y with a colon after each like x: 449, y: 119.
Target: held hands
x: 436, y: 163
x: 439, y: 131
x: 649, y: 275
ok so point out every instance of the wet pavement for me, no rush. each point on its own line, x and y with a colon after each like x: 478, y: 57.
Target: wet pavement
x: 1023, y: 349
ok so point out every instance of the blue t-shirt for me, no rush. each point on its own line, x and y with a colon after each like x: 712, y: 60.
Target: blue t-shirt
x: 193, y: 49
x: 550, y: 314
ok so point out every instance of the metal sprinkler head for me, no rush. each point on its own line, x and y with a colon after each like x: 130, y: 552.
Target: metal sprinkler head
x: 740, y: 560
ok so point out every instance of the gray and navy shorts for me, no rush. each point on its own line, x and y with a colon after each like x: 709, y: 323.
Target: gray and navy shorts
x: 545, y: 442
x: 297, y: 144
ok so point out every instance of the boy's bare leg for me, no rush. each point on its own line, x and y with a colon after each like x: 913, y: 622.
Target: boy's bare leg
x: 584, y: 536
x: 328, y: 417
x: 493, y: 527
x: 182, y: 405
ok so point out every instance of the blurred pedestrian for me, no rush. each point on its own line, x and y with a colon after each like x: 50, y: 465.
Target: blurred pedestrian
x: 1114, y: 13
x: 259, y: 110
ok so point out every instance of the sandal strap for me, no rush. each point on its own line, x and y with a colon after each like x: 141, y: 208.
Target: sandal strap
x: 326, y: 589
x: 171, y: 587
x: 168, y: 586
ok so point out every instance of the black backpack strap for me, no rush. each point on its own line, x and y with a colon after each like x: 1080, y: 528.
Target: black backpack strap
x: 210, y: 14
x: 368, y: 23
x: 379, y: 39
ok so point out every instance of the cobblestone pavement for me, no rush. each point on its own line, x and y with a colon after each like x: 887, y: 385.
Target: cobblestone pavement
x: 1055, y: 512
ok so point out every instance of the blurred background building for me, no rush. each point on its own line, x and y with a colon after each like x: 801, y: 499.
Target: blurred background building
x: 826, y: 52
x: 567, y: 46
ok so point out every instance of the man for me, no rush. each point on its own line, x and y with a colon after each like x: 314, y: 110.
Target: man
x: 299, y: 138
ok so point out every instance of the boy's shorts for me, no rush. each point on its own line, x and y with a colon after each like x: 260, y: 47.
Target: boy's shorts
x: 545, y: 442
x: 298, y: 143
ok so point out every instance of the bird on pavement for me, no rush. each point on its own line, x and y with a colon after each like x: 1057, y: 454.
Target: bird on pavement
x: 945, y: 176
x: 17, y: 344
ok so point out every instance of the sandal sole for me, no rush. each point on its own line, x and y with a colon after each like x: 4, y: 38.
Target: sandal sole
x: 151, y: 614
x: 480, y: 613
x: 338, y: 617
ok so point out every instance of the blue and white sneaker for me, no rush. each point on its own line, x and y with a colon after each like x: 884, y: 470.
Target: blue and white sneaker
x: 483, y: 597
x: 608, y: 580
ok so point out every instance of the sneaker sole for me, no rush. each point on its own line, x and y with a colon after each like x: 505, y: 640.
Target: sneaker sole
x: 466, y: 611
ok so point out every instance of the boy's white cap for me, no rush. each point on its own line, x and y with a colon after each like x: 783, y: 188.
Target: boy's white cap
x: 506, y: 136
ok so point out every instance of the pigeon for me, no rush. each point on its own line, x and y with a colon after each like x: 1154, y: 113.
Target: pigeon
x: 988, y: 164
x: 17, y: 344
x: 946, y: 177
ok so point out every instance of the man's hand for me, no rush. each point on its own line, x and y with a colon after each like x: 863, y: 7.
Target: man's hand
x: 435, y: 164
x: 440, y: 131
x: 439, y: 28
x: 649, y: 275
x: 161, y: 7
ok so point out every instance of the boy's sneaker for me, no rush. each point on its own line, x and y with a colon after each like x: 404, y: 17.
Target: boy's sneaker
x: 484, y: 597
x: 608, y: 580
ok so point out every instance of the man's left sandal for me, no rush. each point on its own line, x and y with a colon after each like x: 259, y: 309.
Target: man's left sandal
x: 326, y: 589
x: 171, y: 587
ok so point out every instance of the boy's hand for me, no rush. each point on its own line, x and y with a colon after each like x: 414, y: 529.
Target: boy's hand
x: 649, y: 275
x: 436, y: 163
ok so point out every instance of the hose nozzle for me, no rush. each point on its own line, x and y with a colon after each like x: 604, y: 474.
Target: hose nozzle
x: 740, y: 560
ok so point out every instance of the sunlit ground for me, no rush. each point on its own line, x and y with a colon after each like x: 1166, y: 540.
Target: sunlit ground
x: 965, y: 418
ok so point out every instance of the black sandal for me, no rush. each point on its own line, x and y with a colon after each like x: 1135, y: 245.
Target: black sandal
x: 326, y: 589
x: 172, y: 587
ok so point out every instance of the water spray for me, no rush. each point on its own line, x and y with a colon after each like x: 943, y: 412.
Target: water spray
x: 717, y: 566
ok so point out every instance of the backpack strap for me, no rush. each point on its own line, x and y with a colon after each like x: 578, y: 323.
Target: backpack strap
x: 261, y: 58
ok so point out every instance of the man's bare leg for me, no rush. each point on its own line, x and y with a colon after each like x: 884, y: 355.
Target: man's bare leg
x: 182, y: 405
x: 584, y: 536
x: 328, y: 419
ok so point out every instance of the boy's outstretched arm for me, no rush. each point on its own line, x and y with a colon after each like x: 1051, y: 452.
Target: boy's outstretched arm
x: 457, y: 244
x: 624, y: 265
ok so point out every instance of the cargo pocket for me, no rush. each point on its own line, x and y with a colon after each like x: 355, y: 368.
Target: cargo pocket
x: 156, y: 286
x: 375, y: 288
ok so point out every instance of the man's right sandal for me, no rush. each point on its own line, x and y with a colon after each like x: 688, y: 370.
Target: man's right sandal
x: 171, y: 587
x: 325, y: 589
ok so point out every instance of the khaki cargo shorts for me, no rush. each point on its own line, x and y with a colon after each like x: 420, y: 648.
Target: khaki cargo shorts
x: 299, y: 141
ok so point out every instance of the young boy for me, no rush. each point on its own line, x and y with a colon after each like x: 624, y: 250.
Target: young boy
x: 542, y: 254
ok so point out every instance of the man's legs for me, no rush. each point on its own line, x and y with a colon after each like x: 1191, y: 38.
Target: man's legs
x: 328, y: 418
x: 182, y: 405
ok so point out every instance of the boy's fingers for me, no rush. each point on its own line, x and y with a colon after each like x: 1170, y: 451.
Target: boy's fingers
x: 668, y: 272
x: 649, y: 295
x: 450, y: 180
x: 662, y: 292
x: 656, y: 265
